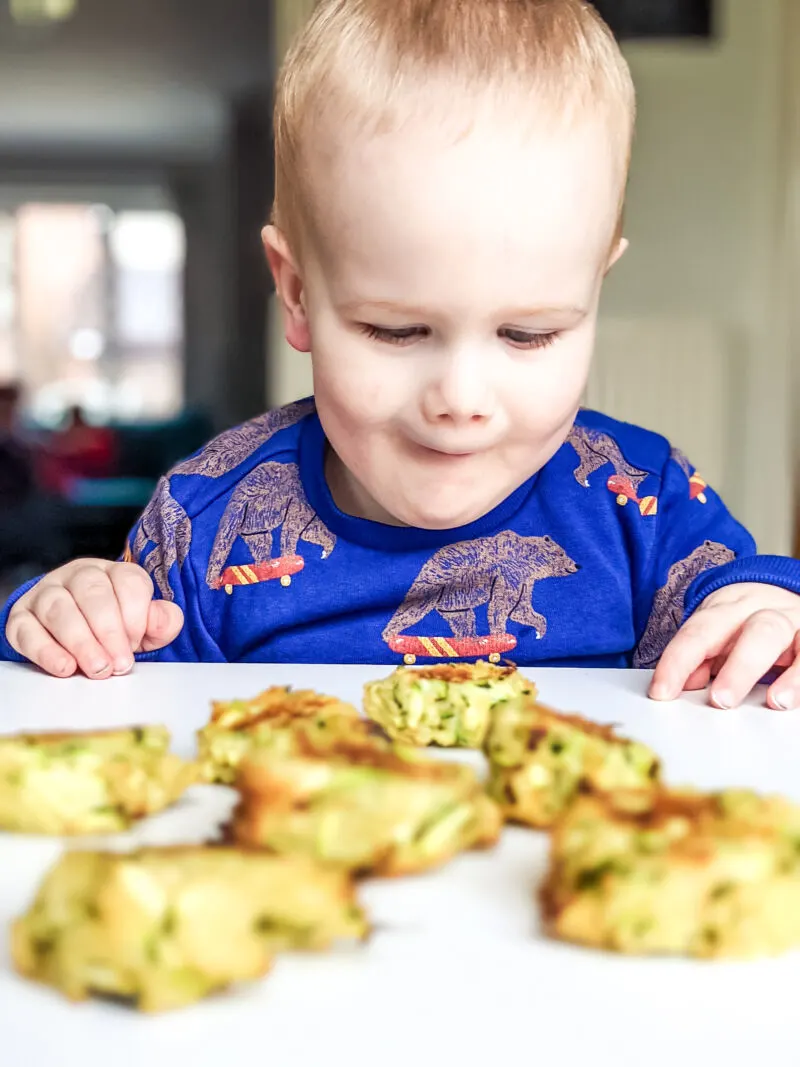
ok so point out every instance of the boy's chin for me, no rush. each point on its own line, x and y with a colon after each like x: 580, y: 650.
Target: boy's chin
x: 439, y: 516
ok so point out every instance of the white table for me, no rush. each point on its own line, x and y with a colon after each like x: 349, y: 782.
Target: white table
x: 458, y: 972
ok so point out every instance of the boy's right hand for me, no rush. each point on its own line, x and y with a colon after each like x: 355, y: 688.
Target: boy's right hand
x: 91, y: 615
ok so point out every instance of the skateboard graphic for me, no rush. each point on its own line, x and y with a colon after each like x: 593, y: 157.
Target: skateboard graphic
x: 499, y: 574
x: 697, y: 484
x: 625, y: 490
x: 255, y: 573
x: 697, y: 488
x: 270, y: 500
x: 491, y: 648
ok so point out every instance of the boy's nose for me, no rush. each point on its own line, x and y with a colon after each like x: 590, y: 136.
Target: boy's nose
x: 460, y: 393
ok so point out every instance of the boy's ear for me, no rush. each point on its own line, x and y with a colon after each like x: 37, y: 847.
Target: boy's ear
x: 617, y: 252
x: 289, y: 286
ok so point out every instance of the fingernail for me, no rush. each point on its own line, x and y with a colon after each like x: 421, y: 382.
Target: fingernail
x: 784, y: 701
x: 122, y: 667
x: 723, y: 700
x: 660, y: 692
x: 98, y: 668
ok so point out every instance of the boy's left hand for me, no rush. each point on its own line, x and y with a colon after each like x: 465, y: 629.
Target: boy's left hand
x: 737, y: 636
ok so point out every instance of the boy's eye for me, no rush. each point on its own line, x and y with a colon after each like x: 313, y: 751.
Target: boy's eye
x: 402, y: 336
x: 525, y: 339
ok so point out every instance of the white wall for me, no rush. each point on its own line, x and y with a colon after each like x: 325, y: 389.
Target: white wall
x: 703, y: 221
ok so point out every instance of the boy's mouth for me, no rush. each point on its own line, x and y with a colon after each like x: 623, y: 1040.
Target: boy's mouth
x: 446, y: 453
x: 461, y: 451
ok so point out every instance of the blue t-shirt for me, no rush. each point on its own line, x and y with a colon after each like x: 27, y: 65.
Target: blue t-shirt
x: 595, y: 561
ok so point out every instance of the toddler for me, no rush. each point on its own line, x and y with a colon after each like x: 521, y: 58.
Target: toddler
x: 449, y: 193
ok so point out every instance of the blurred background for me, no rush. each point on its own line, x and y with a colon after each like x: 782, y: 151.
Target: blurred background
x: 136, y: 316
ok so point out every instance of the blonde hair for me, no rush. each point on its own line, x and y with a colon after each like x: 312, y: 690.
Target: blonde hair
x: 364, y: 60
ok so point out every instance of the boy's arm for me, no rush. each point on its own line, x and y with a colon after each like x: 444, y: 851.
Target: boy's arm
x: 94, y: 614
x: 90, y: 616
x: 160, y: 543
x: 702, y: 558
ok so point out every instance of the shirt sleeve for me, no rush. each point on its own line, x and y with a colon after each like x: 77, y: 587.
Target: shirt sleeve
x: 698, y: 548
x: 160, y: 543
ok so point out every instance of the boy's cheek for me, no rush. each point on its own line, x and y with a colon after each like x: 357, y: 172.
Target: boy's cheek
x: 359, y: 410
x: 366, y: 390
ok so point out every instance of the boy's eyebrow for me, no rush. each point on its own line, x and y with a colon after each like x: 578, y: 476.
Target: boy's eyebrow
x: 550, y: 311
x: 553, y: 311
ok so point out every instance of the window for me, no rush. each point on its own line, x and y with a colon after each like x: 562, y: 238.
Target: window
x: 147, y: 254
x: 91, y: 310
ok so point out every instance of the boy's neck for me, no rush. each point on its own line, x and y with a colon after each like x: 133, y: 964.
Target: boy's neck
x: 349, y: 496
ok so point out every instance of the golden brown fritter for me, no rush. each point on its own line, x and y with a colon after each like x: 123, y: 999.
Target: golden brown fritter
x: 356, y: 802
x: 166, y: 927
x: 539, y: 758
x: 237, y: 726
x: 450, y: 705
x: 88, y: 782
x: 679, y: 873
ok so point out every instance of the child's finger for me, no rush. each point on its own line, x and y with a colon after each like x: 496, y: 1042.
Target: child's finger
x: 164, y: 623
x: 784, y: 693
x: 701, y: 639
x: 133, y: 588
x: 56, y: 610
x: 699, y: 679
x: 764, y: 639
x: 28, y: 637
x: 96, y: 599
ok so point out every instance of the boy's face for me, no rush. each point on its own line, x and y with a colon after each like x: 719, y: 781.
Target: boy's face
x: 449, y: 297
